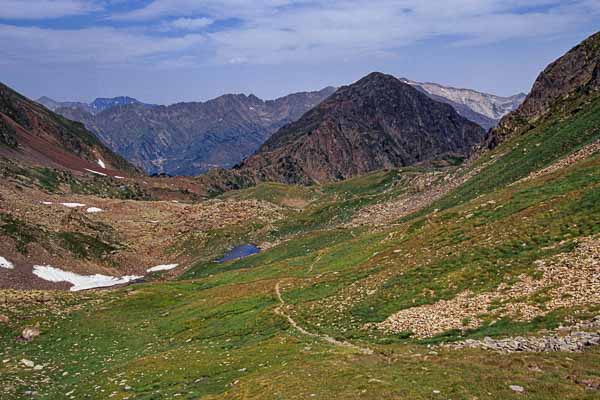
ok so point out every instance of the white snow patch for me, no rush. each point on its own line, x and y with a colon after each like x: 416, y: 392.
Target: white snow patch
x: 94, y: 210
x: 73, y: 205
x: 101, y: 163
x: 47, y: 203
x: 80, y: 282
x: 118, y: 177
x: 4, y: 263
x: 165, y: 267
x: 95, y: 172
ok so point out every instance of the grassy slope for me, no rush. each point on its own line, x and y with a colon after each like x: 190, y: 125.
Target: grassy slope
x: 216, y: 336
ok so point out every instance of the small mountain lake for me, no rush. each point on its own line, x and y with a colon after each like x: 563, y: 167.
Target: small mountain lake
x: 238, y: 252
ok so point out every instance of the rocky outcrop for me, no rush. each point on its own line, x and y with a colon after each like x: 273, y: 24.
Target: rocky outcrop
x: 376, y: 123
x: 573, y: 76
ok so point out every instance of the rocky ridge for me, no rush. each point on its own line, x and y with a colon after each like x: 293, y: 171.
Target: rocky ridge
x: 574, y: 76
x: 32, y: 134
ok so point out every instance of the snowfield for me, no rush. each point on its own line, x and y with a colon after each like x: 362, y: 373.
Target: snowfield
x: 4, y: 263
x: 73, y: 205
x: 94, y: 210
x: 101, y: 163
x: 80, y: 282
x: 95, y: 172
x: 165, y: 267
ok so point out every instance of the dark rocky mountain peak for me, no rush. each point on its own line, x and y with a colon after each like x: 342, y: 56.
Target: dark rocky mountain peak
x: 378, y: 122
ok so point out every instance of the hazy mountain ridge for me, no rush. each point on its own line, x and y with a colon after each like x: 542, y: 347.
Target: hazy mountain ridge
x: 190, y: 138
x: 482, y: 108
x: 97, y: 106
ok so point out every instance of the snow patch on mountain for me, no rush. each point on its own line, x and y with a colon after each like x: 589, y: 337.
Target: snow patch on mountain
x: 165, y: 267
x: 73, y: 205
x: 80, y: 282
x: 4, y: 263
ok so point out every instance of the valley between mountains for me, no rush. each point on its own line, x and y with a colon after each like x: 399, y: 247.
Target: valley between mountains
x: 406, y: 252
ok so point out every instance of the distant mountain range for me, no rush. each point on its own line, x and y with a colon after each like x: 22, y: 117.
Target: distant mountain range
x: 191, y: 138
x: 376, y: 123
x: 482, y: 108
x: 95, y: 107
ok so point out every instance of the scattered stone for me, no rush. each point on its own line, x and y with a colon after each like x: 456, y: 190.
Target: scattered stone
x: 4, y: 319
x: 27, y: 363
x: 575, y: 341
x: 568, y: 280
x: 517, y: 388
x: 29, y: 334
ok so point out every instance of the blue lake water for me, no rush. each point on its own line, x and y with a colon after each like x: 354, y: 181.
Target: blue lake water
x: 239, y: 252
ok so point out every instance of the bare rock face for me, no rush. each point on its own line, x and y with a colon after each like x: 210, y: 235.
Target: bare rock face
x: 376, y: 123
x: 575, y: 74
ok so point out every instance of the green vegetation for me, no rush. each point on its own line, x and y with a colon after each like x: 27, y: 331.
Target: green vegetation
x: 85, y: 246
x: 221, y: 332
x: 19, y: 231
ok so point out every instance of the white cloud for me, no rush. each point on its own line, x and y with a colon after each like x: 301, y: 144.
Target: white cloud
x: 98, y: 45
x: 289, y: 31
x: 218, y: 8
x: 187, y: 24
x: 347, y: 29
x: 44, y: 9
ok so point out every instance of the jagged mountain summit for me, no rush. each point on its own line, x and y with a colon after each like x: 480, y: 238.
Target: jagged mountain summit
x: 191, y: 138
x: 34, y: 135
x: 482, y: 108
x: 378, y: 122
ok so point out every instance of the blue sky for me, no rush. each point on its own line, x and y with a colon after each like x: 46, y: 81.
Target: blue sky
x: 165, y: 51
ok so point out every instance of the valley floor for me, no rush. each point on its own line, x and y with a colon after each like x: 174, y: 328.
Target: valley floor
x: 394, y: 285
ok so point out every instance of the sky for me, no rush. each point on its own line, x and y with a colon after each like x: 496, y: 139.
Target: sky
x: 167, y: 51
